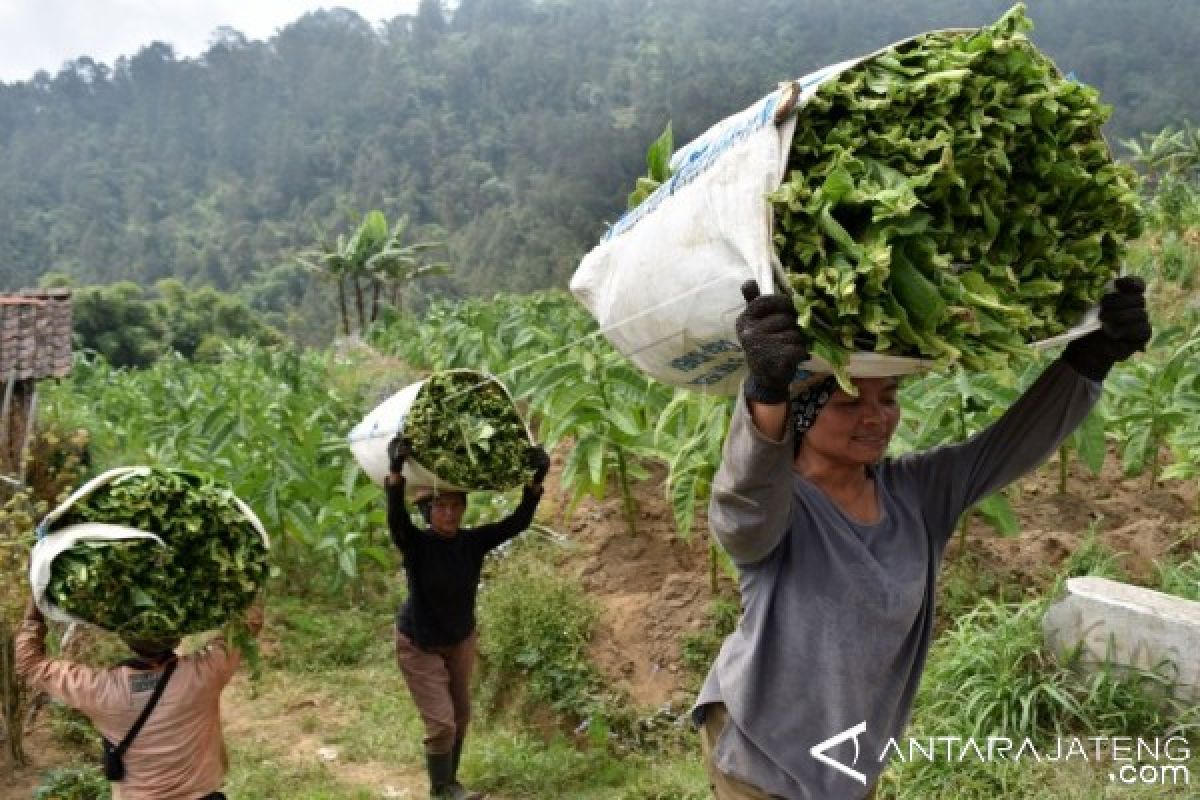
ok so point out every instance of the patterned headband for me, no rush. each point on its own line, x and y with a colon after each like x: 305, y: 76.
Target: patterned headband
x: 807, y: 404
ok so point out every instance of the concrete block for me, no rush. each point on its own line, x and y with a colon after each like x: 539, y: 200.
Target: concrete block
x: 1130, y: 627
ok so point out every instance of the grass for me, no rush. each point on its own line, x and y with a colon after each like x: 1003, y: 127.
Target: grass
x: 370, y: 721
x: 317, y: 638
x: 1093, y: 557
x: 259, y: 772
x: 1181, y: 578
x: 965, y: 582
x: 988, y: 675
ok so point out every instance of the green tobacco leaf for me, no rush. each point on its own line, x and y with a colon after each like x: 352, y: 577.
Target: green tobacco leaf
x: 951, y: 154
x: 658, y: 157
x: 464, y: 428
x: 1090, y: 442
x: 212, y: 564
x: 658, y: 164
x: 999, y: 513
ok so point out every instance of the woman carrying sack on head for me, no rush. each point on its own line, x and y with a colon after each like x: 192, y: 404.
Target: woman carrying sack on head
x: 838, y: 547
x: 435, y: 628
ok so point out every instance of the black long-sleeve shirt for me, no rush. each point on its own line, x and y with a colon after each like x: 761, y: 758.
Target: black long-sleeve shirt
x: 443, y: 571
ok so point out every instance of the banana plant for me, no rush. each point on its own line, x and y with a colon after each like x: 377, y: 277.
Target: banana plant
x: 398, y: 264
x: 372, y: 257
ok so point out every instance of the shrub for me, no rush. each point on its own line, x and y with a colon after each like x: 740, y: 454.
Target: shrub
x: 536, y: 627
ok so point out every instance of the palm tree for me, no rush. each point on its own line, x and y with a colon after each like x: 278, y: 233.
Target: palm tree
x: 398, y: 265
x: 328, y: 263
x: 372, y: 256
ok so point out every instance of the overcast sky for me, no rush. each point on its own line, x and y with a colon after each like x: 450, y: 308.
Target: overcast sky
x: 42, y: 34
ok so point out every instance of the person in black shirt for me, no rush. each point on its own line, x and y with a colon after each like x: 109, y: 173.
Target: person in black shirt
x: 435, y: 628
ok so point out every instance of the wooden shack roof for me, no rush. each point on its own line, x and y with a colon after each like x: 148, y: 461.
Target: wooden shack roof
x: 35, y: 334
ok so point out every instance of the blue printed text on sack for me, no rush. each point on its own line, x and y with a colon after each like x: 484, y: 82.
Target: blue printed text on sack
x: 698, y: 156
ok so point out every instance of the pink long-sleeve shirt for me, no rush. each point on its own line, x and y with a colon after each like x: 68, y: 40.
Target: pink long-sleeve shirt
x: 180, y: 753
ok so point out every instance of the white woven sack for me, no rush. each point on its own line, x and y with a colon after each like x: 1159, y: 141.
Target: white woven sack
x: 664, y: 281
x: 50, y: 544
x: 369, y: 438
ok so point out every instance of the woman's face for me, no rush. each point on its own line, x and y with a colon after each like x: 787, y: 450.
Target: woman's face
x: 446, y: 513
x: 856, y: 430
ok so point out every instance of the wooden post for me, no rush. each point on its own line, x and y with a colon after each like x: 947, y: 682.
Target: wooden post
x: 27, y: 432
x: 35, y: 343
x: 12, y: 699
x: 4, y: 437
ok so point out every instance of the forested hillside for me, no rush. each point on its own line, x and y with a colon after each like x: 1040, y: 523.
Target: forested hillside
x: 509, y: 129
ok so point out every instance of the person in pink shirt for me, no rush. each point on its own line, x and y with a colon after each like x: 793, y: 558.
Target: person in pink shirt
x: 179, y: 753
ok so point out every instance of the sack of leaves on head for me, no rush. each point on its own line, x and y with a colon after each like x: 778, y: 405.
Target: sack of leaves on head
x: 465, y: 431
x: 949, y: 199
x: 150, y: 554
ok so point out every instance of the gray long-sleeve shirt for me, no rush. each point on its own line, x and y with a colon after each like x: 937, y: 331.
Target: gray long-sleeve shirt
x: 838, y: 615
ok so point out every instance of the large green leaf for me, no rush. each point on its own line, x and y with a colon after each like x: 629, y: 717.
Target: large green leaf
x: 998, y: 511
x: 1090, y: 442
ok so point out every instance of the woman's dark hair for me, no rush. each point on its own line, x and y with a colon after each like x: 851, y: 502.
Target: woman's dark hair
x: 425, y: 506
x: 156, y: 651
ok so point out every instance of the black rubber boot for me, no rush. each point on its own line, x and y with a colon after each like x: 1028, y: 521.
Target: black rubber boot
x: 441, y: 775
x: 458, y: 791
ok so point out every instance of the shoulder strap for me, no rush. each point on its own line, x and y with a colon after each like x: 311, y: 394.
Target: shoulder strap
x: 141, y: 720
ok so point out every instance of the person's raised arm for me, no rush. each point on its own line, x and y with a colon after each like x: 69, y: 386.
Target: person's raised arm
x: 751, y: 492
x: 76, y: 685
x: 400, y: 524
x: 956, y: 477
x: 219, y: 658
x: 774, y: 347
x: 1125, y: 329
x: 497, y: 533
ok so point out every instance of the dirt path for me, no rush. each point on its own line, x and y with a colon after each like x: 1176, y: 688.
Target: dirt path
x: 281, y: 723
x: 272, y: 722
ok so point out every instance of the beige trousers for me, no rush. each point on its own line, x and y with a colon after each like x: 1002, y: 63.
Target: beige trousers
x: 726, y: 787
x: 439, y: 680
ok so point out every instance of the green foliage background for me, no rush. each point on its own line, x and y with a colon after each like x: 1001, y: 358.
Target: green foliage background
x: 510, y: 129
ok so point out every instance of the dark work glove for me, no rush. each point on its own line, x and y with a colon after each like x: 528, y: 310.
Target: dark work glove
x: 773, y: 345
x: 398, y: 451
x: 539, y: 462
x: 1126, y: 329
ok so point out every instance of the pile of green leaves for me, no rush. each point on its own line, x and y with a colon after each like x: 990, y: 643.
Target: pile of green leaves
x: 464, y: 429
x: 951, y: 198
x: 210, y: 570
